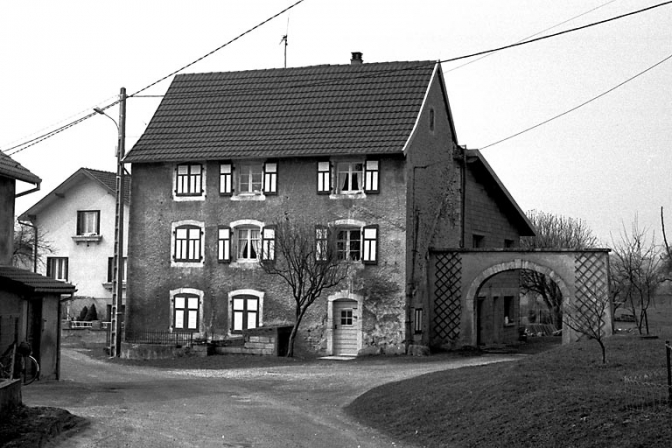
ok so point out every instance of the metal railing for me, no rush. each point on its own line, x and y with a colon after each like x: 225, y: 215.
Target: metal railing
x: 177, y: 339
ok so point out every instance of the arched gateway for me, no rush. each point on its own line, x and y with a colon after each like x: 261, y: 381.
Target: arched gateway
x: 457, y: 276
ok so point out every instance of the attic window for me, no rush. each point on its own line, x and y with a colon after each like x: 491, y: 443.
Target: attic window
x: 88, y: 222
x: 88, y: 227
x: 431, y: 119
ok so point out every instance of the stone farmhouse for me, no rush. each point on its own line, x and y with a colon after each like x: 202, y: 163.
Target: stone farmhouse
x: 367, y: 150
x: 77, y: 220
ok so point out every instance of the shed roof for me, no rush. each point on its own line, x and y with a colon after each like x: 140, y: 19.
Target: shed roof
x: 33, y: 282
x: 293, y: 112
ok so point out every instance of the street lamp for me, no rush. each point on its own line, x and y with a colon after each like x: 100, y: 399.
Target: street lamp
x: 117, y: 281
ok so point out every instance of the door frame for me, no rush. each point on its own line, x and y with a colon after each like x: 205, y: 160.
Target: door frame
x: 344, y: 295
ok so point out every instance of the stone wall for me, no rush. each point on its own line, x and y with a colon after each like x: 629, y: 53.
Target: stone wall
x: 152, y: 277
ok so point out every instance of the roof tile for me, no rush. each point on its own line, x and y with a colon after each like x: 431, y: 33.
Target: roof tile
x: 295, y: 112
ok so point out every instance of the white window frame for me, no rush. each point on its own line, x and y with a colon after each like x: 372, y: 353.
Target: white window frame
x: 244, y: 224
x: 178, y: 185
x: 88, y: 222
x: 260, y: 311
x: 61, y: 265
x: 247, y: 171
x: 347, y: 242
x: 348, y: 168
x: 369, y: 239
x: 173, y: 241
x: 199, y: 316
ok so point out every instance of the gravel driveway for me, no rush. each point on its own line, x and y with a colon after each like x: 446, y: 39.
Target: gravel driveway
x: 283, y: 406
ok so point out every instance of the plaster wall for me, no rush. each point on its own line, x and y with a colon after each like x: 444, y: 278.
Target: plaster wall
x: 87, y: 262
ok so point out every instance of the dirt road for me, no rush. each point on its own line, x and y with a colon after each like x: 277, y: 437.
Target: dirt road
x: 284, y: 406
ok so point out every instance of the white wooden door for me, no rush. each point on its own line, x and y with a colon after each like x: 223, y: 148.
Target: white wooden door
x: 345, y: 327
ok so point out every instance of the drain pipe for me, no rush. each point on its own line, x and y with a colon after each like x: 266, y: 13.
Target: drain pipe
x: 34, y: 227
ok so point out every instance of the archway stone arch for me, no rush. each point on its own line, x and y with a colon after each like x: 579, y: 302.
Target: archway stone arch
x: 455, y: 276
x: 513, y: 265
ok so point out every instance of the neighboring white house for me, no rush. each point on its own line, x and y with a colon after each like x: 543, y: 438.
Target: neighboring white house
x: 77, y: 221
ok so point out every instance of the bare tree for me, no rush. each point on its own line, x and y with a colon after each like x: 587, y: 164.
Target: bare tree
x: 553, y: 232
x: 589, y: 319
x: 23, y: 254
x: 637, y: 271
x: 306, y: 258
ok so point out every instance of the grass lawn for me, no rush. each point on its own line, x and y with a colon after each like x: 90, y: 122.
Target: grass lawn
x: 562, y: 397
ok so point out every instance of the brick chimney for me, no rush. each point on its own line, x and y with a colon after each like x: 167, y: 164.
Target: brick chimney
x: 356, y: 58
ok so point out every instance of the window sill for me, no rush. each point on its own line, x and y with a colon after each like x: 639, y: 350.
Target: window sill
x: 245, y: 264
x: 357, y: 195
x: 188, y: 198
x: 186, y: 264
x: 248, y: 197
x: 108, y: 285
x: 509, y: 325
x: 87, y: 239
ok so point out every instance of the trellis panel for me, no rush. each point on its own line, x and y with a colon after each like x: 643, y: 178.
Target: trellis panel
x: 447, y: 298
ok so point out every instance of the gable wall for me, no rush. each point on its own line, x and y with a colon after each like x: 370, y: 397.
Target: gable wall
x: 485, y: 214
x: 434, y: 188
x: 87, y: 263
x: 152, y: 277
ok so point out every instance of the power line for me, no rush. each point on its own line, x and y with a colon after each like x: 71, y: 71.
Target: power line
x: 218, y: 48
x: 580, y: 105
x: 39, y: 139
x: 77, y: 114
x: 559, y: 33
x: 535, y: 34
x: 336, y: 80
x: 34, y: 141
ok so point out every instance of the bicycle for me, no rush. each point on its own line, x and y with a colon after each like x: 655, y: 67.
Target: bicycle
x: 17, y: 363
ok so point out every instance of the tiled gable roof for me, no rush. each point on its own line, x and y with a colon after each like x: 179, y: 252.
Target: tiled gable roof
x: 309, y: 111
x: 33, y: 282
x: 14, y: 170
x: 109, y: 181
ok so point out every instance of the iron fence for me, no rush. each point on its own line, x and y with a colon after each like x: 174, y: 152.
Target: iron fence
x: 178, y: 339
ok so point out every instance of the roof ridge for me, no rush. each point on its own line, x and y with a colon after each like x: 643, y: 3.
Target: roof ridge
x: 304, y: 67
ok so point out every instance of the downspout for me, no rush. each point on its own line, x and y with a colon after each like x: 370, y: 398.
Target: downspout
x: 463, y: 207
x: 34, y: 227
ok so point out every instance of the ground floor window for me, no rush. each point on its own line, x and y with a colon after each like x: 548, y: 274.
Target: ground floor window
x: 245, y: 313
x: 186, y: 312
x: 57, y: 268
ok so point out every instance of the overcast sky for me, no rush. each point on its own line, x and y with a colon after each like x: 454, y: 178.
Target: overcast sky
x: 602, y: 163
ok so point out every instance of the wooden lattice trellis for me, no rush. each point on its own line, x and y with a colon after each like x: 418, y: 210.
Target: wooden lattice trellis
x: 447, y: 300
x: 590, y: 272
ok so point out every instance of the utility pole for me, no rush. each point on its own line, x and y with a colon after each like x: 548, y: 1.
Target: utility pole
x: 118, y: 269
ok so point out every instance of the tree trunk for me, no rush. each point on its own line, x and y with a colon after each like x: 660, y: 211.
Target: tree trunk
x: 290, y: 343
x: 604, y: 351
x: 295, y: 329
